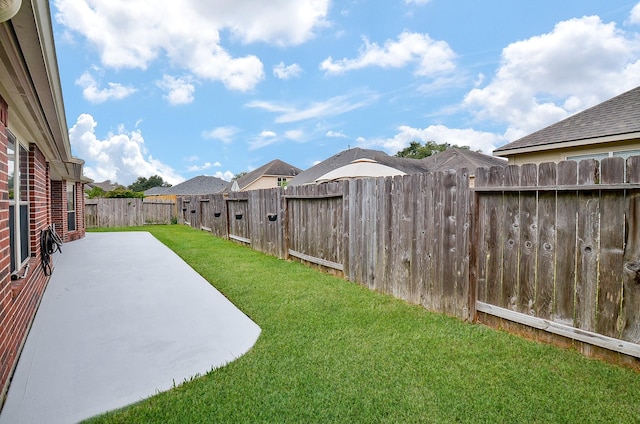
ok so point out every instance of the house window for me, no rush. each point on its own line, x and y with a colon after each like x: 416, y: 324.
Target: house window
x: 596, y: 156
x: 18, y: 170
x: 599, y: 156
x: 71, y: 206
x: 282, y: 182
x: 626, y: 154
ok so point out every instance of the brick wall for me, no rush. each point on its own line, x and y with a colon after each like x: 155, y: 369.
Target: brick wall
x: 38, y: 197
x: 59, y: 210
x: 80, y: 224
x: 19, y: 299
x: 5, y: 278
x: 58, y: 190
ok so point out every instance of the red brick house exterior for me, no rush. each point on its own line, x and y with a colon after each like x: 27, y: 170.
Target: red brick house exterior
x: 41, y: 183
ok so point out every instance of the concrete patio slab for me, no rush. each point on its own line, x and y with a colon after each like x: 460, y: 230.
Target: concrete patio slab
x: 123, y: 317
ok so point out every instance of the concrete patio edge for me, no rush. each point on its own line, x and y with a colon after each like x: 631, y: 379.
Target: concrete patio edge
x: 123, y: 317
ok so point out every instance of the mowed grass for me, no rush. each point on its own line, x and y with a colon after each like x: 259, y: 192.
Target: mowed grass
x: 333, y: 351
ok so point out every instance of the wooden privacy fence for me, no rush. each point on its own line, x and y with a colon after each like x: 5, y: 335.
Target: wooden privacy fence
x: 554, y: 247
x: 123, y: 212
x: 406, y: 236
x: 557, y: 247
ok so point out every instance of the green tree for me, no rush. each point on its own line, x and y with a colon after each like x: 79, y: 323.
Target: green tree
x: 96, y: 192
x: 143, y: 184
x: 121, y: 192
x: 238, y: 176
x: 415, y: 150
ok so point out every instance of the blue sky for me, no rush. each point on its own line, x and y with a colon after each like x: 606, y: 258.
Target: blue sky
x: 217, y: 87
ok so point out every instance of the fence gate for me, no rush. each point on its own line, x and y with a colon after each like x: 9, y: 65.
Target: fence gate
x: 314, y: 227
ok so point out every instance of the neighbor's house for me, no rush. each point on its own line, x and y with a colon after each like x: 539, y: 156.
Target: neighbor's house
x: 106, y: 185
x: 202, y: 184
x: 358, y: 163
x: 611, y: 128
x: 270, y: 175
x: 188, y: 190
x: 457, y: 158
x: 366, y: 163
x: 41, y: 183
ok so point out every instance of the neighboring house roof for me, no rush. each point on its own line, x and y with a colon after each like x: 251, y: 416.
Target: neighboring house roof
x: 156, y: 191
x: 275, y: 168
x: 105, y: 185
x: 408, y: 166
x: 359, y: 168
x: 202, y: 184
x: 616, y: 119
x: 456, y: 158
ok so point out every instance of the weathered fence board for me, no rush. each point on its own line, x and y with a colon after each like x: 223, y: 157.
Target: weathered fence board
x: 238, y: 217
x: 577, y: 256
x: 588, y: 242
x: 124, y: 212
x: 266, y: 214
x: 612, y: 213
x: 544, y: 291
x: 426, y: 217
x: 510, y: 257
x: 219, y: 220
x: 566, y: 241
x: 461, y: 253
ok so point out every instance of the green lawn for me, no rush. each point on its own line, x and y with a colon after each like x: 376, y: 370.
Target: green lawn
x: 332, y: 351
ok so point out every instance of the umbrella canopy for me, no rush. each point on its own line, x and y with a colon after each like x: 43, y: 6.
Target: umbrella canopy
x: 359, y: 168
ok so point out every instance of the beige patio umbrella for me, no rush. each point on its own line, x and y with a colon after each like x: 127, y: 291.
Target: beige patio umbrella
x: 359, y: 168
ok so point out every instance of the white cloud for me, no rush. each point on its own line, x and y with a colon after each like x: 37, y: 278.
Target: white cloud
x: 545, y: 78
x: 281, y: 22
x: 265, y: 138
x: 295, y: 135
x: 198, y: 168
x: 476, y: 140
x: 432, y: 57
x: 92, y: 92
x: 331, y: 107
x: 132, y: 35
x: 417, y: 1
x: 335, y: 134
x: 226, y: 175
x: 120, y: 157
x: 179, y: 90
x: 224, y: 134
x: 285, y: 72
x: 634, y: 16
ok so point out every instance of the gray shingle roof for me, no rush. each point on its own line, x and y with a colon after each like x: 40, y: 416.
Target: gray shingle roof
x: 105, y: 185
x: 615, y: 117
x: 154, y: 191
x: 202, y: 184
x: 408, y: 166
x: 455, y: 158
x: 275, y: 168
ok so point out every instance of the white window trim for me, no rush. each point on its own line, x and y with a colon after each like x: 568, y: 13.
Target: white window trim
x: 17, y: 202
